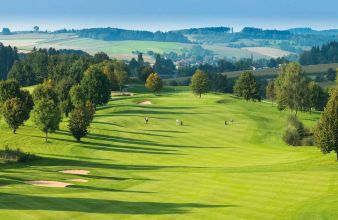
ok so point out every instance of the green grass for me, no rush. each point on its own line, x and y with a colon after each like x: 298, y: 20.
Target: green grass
x: 202, y: 170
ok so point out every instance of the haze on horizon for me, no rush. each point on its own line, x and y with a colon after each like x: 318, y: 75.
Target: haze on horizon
x: 168, y: 15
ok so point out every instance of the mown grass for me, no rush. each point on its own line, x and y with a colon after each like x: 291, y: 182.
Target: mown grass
x: 202, y: 170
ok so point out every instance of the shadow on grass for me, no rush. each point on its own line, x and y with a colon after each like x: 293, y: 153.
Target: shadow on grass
x: 88, y: 205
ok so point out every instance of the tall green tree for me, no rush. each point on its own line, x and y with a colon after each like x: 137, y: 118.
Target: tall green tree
x: 247, y: 87
x: 200, y: 83
x: 326, y: 133
x: 291, y: 87
x: 14, y: 112
x: 121, y: 73
x: 218, y: 82
x: 271, y: 91
x: 9, y: 89
x: 96, y: 86
x: 77, y: 96
x: 46, y: 113
x: 317, y: 97
x: 154, y: 83
x: 79, y: 122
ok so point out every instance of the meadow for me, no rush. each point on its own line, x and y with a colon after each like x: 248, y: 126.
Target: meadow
x: 124, y: 49
x: 201, y: 170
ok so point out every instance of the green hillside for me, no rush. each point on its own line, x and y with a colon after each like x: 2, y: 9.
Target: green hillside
x: 201, y: 170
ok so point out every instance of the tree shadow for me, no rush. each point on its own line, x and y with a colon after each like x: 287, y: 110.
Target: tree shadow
x: 89, y: 205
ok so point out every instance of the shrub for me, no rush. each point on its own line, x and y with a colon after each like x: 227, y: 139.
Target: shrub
x: 294, y: 122
x: 8, y: 155
x: 291, y: 136
x: 296, y: 134
x: 308, y: 141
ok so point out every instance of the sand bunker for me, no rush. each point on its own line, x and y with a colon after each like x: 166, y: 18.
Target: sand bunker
x: 77, y: 172
x: 79, y: 180
x: 122, y: 94
x: 145, y: 103
x: 45, y: 183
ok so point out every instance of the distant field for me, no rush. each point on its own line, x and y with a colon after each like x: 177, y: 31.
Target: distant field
x: 124, y: 49
x: 221, y: 50
x: 309, y: 70
x: 271, y: 52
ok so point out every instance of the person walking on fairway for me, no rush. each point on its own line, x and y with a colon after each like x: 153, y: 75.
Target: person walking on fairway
x: 146, y: 120
x: 225, y: 123
x: 177, y: 122
x: 181, y: 123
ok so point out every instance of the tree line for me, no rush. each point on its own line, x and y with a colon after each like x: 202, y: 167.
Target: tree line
x: 328, y: 53
x: 115, y: 34
x: 8, y: 56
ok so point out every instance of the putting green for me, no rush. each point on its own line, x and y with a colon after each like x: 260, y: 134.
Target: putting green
x: 201, y: 170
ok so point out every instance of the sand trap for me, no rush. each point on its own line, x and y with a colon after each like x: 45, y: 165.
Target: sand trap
x: 79, y: 180
x: 122, y: 94
x: 77, y: 172
x: 145, y: 103
x: 45, y: 183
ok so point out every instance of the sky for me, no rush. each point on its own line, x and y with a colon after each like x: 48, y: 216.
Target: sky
x: 168, y: 15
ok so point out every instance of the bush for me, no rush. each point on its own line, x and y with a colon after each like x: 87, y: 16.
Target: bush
x: 296, y: 134
x: 293, y: 121
x: 291, y: 136
x: 8, y: 155
x: 308, y: 141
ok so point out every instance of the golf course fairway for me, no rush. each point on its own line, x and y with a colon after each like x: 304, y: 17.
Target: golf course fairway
x: 203, y: 169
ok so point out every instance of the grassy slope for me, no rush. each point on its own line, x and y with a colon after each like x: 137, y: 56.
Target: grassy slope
x: 202, y: 170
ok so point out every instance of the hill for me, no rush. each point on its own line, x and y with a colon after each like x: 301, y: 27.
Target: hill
x: 200, y: 170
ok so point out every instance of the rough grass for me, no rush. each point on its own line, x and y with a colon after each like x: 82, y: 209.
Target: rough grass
x: 202, y: 170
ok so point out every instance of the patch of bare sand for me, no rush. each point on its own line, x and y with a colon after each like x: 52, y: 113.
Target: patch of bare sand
x: 46, y: 183
x: 79, y: 180
x: 77, y: 172
x: 145, y: 103
x: 122, y: 94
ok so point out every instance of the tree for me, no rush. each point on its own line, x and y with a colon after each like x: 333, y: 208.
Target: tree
x: 144, y: 72
x: 63, y: 90
x: 28, y: 104
x: 291, y: 87
x: 154, y: 83
x: 200, y: 83
x: 331, y: 74
x: 317, y: 98
x: 14, y: 112
x: 77, y: 96
x: 6, y: 31
x: 96, y: 86
x: 140, y: 60
x: 326, y: 132
x: 121, y: 73
x: 247, y: 87
x: 270, y: 91
x: 46, y: 115
x: 100, y: 57
x: 219, y: 82
x: 46, y: 91
x: 79, y: 122
x: 36, y: 28
x: 109, y: 71
x: 9, y: 89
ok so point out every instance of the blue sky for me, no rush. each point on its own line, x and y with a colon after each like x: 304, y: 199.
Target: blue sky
x: 169, y: 14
